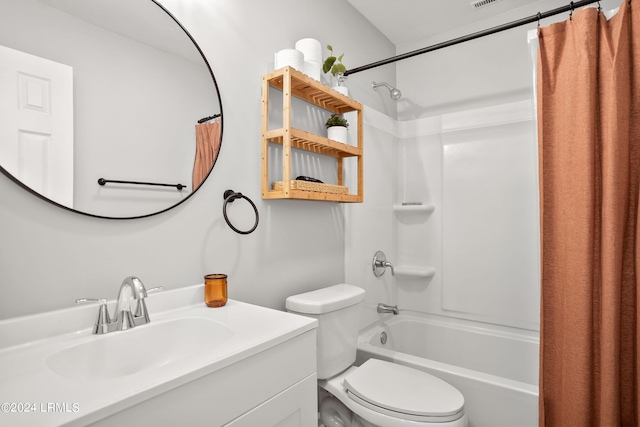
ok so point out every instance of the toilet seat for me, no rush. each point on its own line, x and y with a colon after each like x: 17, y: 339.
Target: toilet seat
x: 403, y: 392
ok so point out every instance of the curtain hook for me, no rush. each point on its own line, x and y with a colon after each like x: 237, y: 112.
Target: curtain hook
x: 599, y: 7
x: 571, y: 11
x: 571, y: 14
x: 539, y: 17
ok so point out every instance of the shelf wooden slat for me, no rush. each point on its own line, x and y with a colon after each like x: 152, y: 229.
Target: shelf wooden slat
x: 311, y: 195
x: 314, y: 143
x: 313, y: 91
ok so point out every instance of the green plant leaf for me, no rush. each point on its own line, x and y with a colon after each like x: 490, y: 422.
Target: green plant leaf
x: 337, y: 120
x: 340, y: 57
x: 328, y: 63
x: 338, y: 68
x: 330, y: 48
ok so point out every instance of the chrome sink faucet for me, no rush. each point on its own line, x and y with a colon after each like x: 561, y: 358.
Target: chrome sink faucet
x: 131, y: 288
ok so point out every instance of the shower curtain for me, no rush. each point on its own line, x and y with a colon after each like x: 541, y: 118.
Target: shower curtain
x: 589, y: 146
x: 207, y: 146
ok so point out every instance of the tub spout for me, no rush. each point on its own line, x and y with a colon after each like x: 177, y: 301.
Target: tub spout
x: 384, y: 308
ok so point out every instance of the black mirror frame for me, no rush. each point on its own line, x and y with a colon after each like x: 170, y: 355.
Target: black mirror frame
x: 215, y: 83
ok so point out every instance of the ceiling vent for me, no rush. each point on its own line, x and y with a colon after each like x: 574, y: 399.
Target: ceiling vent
x: 482, y: 3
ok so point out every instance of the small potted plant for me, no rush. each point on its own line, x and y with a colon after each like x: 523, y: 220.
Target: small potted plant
x: 337, y: 128
x: 337, y: 69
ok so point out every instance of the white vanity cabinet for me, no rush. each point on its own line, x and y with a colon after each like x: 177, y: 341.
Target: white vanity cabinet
x: 291, y: 408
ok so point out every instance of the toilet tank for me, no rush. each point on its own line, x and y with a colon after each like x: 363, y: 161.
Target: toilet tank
x: 337, y: 309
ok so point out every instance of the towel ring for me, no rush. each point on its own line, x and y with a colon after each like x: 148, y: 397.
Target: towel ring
x: 231, y: 196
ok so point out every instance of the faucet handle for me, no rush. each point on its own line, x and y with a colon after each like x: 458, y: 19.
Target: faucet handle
x: 380, y: 263
x: 141, y: 307
x: 103, y: 320
x: 141, y: 315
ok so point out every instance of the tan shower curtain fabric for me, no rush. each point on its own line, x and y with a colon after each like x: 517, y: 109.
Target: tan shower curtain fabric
x: 589, y: 148
x: 208, y: 139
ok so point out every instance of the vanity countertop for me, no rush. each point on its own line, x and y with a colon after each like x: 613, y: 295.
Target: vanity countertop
x: 32, y: 393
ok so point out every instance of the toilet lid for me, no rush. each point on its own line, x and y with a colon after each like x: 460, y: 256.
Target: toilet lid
x: 403, y: 392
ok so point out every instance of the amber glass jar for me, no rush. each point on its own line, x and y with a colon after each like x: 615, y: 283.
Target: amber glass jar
x: 215, y: 290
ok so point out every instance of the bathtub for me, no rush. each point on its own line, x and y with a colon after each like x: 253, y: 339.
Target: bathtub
x: 496, y: 369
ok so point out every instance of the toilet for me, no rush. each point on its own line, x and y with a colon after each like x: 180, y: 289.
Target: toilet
x: 377, y: 393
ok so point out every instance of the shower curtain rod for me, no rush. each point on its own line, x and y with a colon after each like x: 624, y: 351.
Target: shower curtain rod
x: 535, y: 18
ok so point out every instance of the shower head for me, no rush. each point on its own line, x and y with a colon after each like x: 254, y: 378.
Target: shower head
x: 393, y: 92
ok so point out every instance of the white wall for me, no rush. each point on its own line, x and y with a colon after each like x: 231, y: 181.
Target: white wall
x: 49, y: 257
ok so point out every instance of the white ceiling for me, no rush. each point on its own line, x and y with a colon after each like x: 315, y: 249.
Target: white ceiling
x: 405, y: 21
x: 123, y: 17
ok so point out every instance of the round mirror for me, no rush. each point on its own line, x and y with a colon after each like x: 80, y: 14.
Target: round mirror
x: 107, y: 107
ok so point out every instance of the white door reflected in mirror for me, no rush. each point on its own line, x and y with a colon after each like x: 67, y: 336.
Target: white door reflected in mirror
x: 36, y: 123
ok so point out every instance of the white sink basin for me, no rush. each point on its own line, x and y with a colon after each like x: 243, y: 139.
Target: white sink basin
x: 123, y: 353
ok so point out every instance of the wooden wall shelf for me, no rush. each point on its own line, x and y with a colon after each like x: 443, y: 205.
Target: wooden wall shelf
x: 293, y: 83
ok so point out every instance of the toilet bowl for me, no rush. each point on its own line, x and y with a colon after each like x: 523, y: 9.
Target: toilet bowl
x: 377, y: 393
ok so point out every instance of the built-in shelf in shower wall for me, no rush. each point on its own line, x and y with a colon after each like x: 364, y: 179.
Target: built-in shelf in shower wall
x: 413, y: 271
x: 411, y: 217
x: 414, y: 208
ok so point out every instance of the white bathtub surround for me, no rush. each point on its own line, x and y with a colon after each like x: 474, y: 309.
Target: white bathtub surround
x: 368, y: 225
x: 494, y: 367
x: 476, y: 171
x: 147, y: 369
x: 490, y: 216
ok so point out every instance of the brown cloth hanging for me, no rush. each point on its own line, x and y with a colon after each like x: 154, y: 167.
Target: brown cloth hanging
x: 589, y: 151
x: 207, y: 147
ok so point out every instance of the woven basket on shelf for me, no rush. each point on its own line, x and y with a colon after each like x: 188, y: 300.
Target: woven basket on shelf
x: 312, y: 186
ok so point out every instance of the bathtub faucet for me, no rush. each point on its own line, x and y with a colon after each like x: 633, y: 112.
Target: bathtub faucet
x: 384, y: 308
